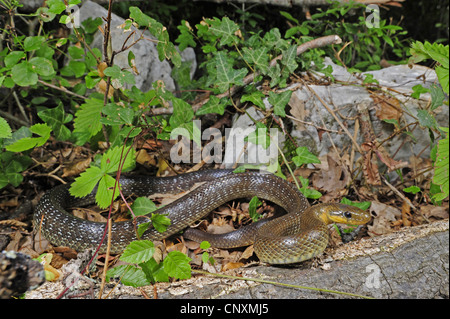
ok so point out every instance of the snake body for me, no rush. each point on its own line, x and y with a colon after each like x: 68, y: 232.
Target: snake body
x: 299, y: 235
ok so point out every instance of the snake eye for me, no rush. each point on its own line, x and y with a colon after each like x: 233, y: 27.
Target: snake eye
x: 347, y: 214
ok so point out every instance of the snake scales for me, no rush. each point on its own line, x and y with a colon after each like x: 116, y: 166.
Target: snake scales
x: 299, y: 235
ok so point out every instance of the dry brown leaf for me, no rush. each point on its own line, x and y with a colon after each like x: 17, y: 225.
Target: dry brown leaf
x: 143, y: 158
x: 298, y: 111
x: 406, y: 214
x: 332, y: 179
x: 370, y: 167
x: 76, y: 168
x: 232, y: 265
x: 248, y: 252
x: 440, y: 212
x: 384, y: 216
x: 387, y: 107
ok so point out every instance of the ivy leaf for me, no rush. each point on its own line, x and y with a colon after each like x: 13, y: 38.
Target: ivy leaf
x: 304, y: 157
x: 256, y: 97
x: 289, y: 57
x: 259, y: 136
x: 226, y: 75
x: 182, y: 113
x: 279, y: 102
x: 177, y: 265
x: 226, y: 30
x: 258, y: 57
x: 214, y: 105
x: 185, y: 39
x: 56, y: 118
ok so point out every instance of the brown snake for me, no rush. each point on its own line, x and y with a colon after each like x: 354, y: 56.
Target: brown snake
x: 299, y: 235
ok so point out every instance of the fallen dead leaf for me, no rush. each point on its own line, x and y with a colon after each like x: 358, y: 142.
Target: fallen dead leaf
x: 232, y: 265
x: 76, y: 168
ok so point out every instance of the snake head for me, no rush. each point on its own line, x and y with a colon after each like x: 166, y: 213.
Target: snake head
x: 342, y: 214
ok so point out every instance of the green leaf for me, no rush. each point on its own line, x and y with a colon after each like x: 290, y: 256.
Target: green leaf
x: 177, y: 265
x: 23, y: 74
x: 85, y: 183
x: 30, y: 142
x: 256, y: 97
x: 160, y: 222
x: 105, y: 191
x: 143, y: 206
x: 56, y: 6
x: 443, y: 77
x: 87, y: 119
x: 426, y: 119
x: 115, y: 156
x: 185, y: 39
x: 279, y: 101
x: 13, y: 58
x: 138, y: 251
x: 259, y: 136
x: 253, y: 204
x: 226, y: 75
x: 5, y: 129
x: 361, y: 205
x: 288, y: 59
x: 225, y: 29
x: 441, y: 167
x: 412, y: 189
x: 259, y: 57
x: 130, y: 275
x: 33, y: 43
x: 205, y: 245
x: 182, y: 113
x: 214, y: 105
x: 304, y: 157
x: 117, y: 115
x: 56, y: 118
x: 437, y: 96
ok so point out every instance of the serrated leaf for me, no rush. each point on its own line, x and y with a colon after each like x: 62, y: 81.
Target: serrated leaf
x: 130, y: 275
x: 105, y: 191
x: 87, y: 119
x: 177, y: 265
x: 85, y: 183
x: 115, y: 156
x: 279, y: 102
x: 160, y: 222
x: 138, y: 251
x: 5, y: 129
